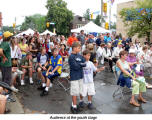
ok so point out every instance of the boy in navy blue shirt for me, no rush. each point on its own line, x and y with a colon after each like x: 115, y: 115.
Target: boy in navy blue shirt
x: 76, y: 63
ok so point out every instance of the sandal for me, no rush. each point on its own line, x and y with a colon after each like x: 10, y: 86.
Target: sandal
x: 135, y: 104
x: 142, y: 100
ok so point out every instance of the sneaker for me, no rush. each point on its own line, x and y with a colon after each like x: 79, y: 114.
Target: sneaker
x: 19, y: 72
x: 14, y: 89
x: 31, y: 81
x: 44, y: 93
x: 51, y: 85
x: 22, y: 82
x: 9, y: 99
x: 90, y: 106
x: 81, y: 104
x: 41, y: 88
x: 74, y: 110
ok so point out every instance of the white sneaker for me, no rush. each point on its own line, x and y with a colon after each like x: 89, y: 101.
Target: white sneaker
x: 31, y: 81
x: 51, y: 85
x: 14, y: 89
x: 19, y: 72
x: 22, y: 82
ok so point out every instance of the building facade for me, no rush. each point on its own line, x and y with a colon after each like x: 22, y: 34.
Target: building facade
x: 78, y: 22
x: 120, y: 27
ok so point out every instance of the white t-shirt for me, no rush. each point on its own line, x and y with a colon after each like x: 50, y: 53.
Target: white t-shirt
x: 43, y: 59
x: 117, y: 50
x: 50, y: 44
x: 16, y: 53
x: 88, y: 72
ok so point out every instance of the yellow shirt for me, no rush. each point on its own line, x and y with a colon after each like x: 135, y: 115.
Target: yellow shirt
x: 23, y: 47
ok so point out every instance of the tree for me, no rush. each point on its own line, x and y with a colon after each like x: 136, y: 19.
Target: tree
x: 60, y: 15
x: 97, y: 21
x: 113, y: 25
x: 87, y: 14
x: 139, y: 19
x: 37, y: 22
x: 8, y: 28
x: 144, y: 3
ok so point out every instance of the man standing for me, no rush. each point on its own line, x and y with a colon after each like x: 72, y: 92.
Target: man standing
x: 71, y: 40
x: 81, y: 37
x: 5, y: 62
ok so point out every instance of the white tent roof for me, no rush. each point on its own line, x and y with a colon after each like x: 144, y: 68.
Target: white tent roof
x: 46, y: 32
x: 91, y: 27
x: 27, y: 32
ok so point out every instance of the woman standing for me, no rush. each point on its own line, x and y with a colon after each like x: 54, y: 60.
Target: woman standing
x: 126, y: 78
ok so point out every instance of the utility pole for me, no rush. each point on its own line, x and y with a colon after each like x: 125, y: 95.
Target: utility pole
x: 110, y: 15
x: 101, y: 11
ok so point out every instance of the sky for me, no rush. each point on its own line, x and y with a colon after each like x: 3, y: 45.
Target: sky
x: 18, y: 9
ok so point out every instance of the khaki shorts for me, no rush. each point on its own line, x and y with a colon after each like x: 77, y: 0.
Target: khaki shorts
x: 76, y: 87
x: 88, y: 89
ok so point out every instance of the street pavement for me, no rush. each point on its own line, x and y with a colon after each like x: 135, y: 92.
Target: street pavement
x: 58, y: 101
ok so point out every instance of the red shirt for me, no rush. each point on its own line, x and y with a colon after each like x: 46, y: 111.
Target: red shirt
x: 71, y: 40
x: 65, y: 53
x: 46, y: 47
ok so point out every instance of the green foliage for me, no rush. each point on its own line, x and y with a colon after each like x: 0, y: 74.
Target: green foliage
x: 138, y: 22
x: 144, y: 3
x: 36, y: 22
x: 97, y: 21
x: 113, y: 26
x: 60, y: 15
x: 7, y: 28
x: 87, y: 14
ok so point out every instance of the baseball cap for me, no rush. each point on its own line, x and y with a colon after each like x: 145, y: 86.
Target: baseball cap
x: 7, y: 34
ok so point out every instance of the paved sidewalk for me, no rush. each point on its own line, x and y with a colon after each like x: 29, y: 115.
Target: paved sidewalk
x: 15, y: 107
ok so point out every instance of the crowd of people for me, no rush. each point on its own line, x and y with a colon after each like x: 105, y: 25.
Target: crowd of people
x: 45, y: 56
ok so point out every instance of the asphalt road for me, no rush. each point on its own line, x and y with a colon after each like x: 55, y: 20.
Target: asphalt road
x: 58, y: 101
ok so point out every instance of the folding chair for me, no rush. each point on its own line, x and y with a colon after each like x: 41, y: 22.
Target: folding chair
x: 120, y: 90
x: 63, y: 79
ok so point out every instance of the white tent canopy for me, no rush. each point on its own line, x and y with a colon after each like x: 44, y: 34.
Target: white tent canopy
x: 46, y: 32
x: 91, y: 27
x: 27, y: 32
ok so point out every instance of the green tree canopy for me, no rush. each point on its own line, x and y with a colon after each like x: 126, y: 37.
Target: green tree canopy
x: 37, y: 22
x: 87, y: 14
x: 97, y: 21
x: 60, y: 15
x: 139, y: 19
